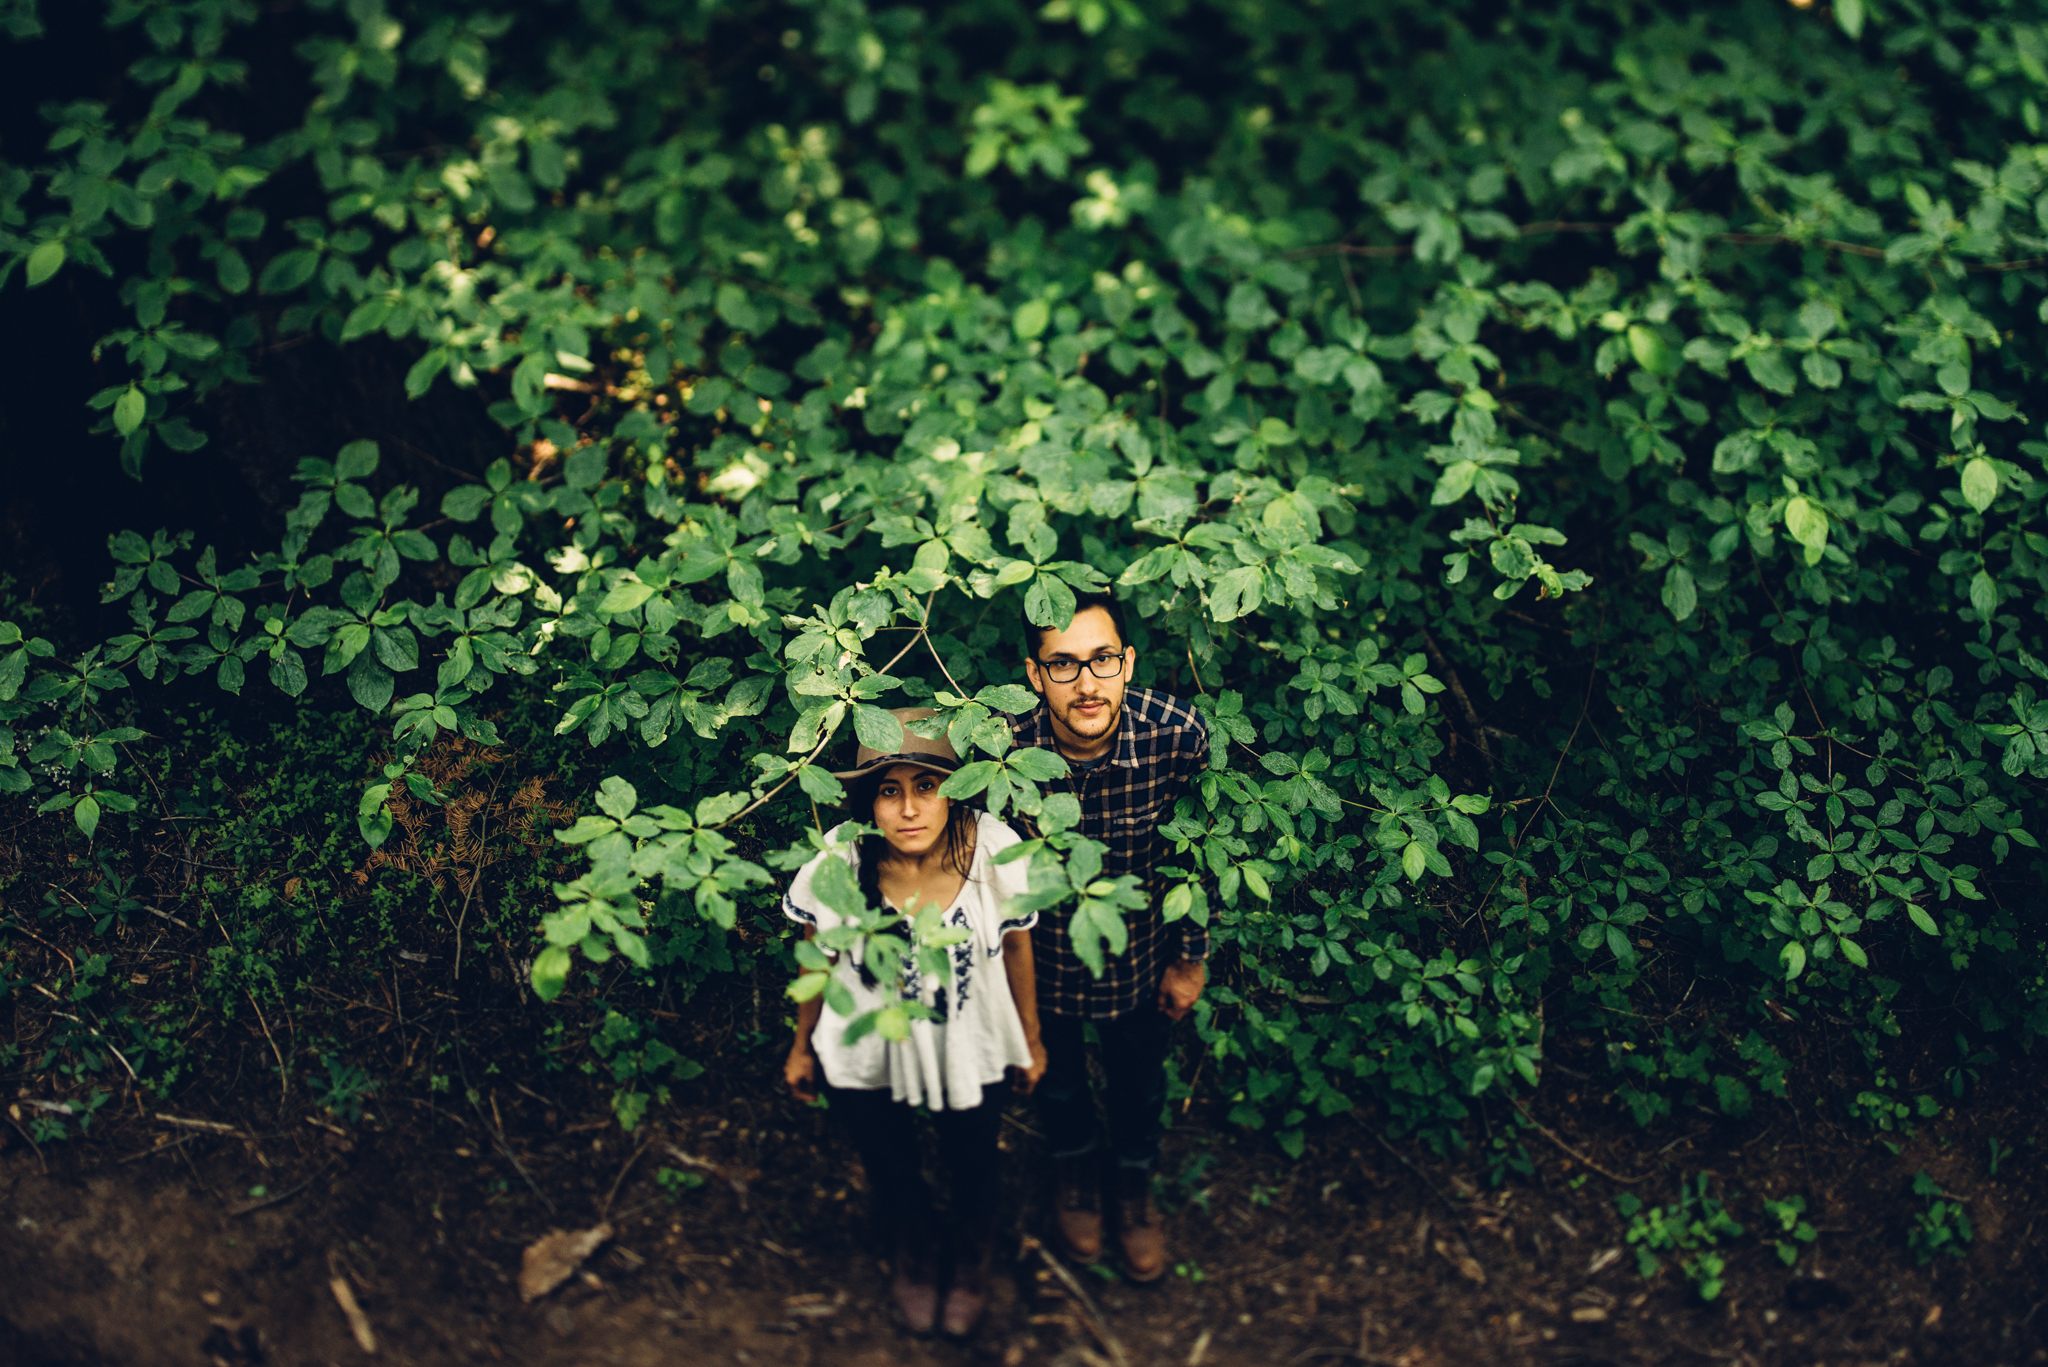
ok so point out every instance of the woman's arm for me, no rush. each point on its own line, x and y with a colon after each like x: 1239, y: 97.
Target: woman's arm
x: 801, y: 1070
x: 1022, y: 971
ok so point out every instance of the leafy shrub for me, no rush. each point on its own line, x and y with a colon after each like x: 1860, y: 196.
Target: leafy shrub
x: 1581, y: 481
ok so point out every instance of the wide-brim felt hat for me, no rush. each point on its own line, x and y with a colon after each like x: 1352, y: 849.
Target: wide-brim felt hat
x: 936, y: 755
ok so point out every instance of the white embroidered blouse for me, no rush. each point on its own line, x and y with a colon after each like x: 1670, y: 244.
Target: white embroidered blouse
x: 976, y: 1034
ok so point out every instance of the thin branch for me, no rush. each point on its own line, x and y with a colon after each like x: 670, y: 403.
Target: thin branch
x: 617, y: 1182
x: 31, y: 1143
x: 1096, y: 1324
x: 1421, y: 1176
x: 284, y: 1076
x: 1592, y: 674
x: 1552, y: 1136
x: 1442, y: 661
x: 285, y: 1195
x: 16, y: 925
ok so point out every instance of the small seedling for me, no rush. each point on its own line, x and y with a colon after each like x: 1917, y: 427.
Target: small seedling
x: 1788, y: 1213
x: 1944, y: 1227
x: 1690, y: 1228
x: 675, y: 1182
x: 342, y: 1092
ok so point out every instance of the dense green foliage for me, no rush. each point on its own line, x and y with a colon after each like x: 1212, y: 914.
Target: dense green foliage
x: 1573, y: 452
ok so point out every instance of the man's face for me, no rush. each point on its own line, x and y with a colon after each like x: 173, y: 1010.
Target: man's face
x: 1087, y: 707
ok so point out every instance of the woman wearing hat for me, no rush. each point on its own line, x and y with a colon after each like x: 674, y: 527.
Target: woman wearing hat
x: 982, y: 1028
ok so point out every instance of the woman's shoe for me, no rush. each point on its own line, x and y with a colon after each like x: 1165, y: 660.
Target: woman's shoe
x: 915, y: 1289
x: 967, y: 1298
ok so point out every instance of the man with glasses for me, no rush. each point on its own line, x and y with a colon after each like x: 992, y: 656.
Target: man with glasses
x: 1130, y: 753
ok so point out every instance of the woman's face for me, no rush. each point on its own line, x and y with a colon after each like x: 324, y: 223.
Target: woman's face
x: 909, y: 810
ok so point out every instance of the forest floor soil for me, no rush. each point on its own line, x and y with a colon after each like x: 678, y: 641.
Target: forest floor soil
x: 141, y: 1246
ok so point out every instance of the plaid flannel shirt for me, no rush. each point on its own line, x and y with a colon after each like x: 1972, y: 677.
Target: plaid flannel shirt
x: 1161, y: 744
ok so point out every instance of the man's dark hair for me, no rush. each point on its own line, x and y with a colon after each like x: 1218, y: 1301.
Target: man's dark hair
x: 1034, y: 634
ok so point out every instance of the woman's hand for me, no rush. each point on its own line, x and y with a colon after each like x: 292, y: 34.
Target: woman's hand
x: 800, y: 1071
x: 1023, y: 1081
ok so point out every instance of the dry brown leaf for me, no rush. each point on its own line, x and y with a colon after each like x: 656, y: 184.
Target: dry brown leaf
x: 1467, y: 1265
x: 551, y: 1259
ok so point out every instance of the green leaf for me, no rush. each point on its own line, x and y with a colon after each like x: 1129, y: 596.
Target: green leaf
x: 288, y: 271
x: 1031, y: 318
x: 1038, y: 764
x: 969, y: 779
x: 617, y: 798
x: 87, y: 814
x: 357, y: 460
x: 626, y: 595
x: 1680, y: 596
x: 1850, y: 15
x: 44, y: 262
x: 551, y: 972
x: 1807, y: 525
x: 1652, y: 352
x: 466, y: 503
x: 1012, y: 698
x: 1980, y: 483
x: 129, y: 410
x: 821, y: 785
x: 877, y: 729
x: 1983, y: 595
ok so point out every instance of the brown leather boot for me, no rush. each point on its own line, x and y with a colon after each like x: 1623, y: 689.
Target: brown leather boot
x: 915, y: 1286
x: 1077, y: 1207
x: 1140, y: 1236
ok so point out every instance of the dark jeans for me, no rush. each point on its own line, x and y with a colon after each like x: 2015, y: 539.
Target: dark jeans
x: 1133, y: 1056
x: 885, y: 1132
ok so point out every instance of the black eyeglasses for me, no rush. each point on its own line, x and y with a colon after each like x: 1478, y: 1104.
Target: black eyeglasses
x: 1066, y: 671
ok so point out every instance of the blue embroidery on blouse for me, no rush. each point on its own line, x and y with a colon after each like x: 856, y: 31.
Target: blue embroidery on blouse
x: 795, y: 912
x: 963, y: 956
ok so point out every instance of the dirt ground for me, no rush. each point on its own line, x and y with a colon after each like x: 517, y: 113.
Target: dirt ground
x: 160, y: 1242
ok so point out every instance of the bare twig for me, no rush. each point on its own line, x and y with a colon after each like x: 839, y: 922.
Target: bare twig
x: 497, y: 1134
x: 284, y: 1076
x: 1552, y: 1136
x: 358, y: 1322
x: 69, y: 961
x: 1442, y: 662
x: 31, y: 1142
x: 606, y: 1208
x: 210, y: 1126
x: 1355, y: 1354
x: 1421, y: 1176
x: 1592, y: 675
x: 483, y: 818
x: 1096, y: 1324
x: 160, y: 1147
x: 284, y: 1195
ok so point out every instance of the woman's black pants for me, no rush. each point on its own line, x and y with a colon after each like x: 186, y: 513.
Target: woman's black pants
x: 885, y: 1133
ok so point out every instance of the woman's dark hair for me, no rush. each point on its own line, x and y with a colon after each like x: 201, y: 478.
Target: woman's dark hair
x: 957, y: 840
